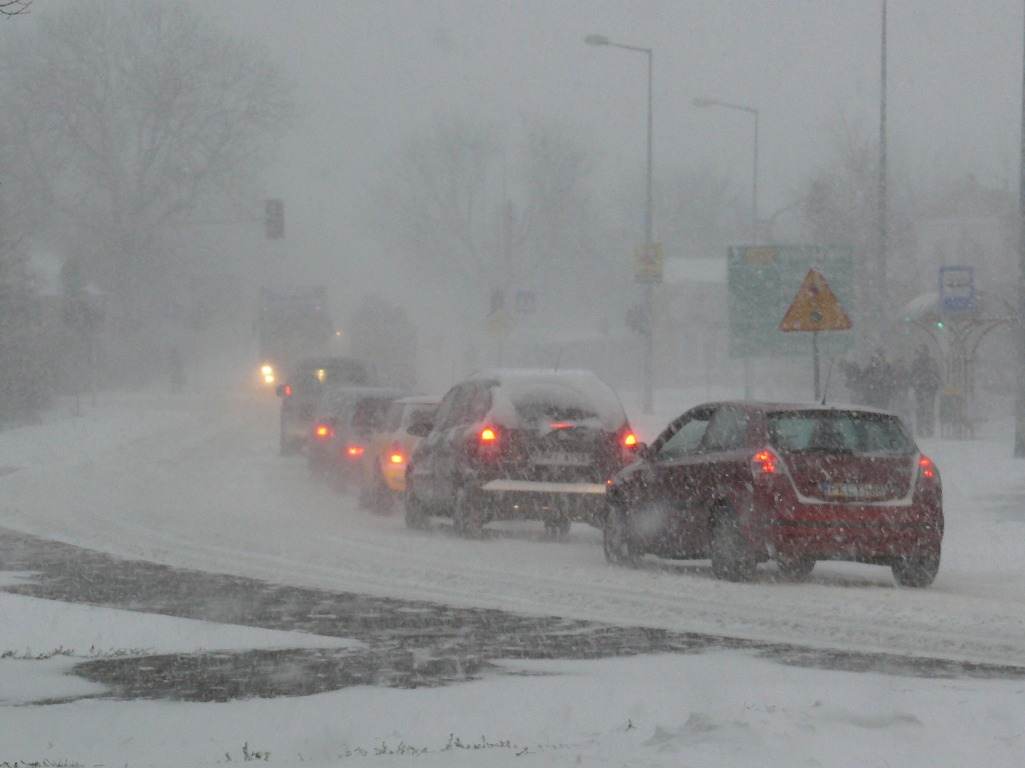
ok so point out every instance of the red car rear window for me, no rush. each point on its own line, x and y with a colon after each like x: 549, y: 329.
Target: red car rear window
x: 823, y: 431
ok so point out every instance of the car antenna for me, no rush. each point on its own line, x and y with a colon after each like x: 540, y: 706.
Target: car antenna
x: 829, y: 374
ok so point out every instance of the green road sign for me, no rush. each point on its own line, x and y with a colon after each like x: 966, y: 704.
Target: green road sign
x: 762, y: 283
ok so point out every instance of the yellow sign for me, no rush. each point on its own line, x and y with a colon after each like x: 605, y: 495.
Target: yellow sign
x: 499, y: 323
x: 815, y: 308
x: 648, y: 263
x: 760, y: 256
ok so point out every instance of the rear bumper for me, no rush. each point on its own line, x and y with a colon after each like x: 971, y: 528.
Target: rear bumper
x: 865, y: 534
x: 538, y: 500
x: 394, y: 477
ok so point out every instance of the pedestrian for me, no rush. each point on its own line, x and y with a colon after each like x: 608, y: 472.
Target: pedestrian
x: 925, y: 381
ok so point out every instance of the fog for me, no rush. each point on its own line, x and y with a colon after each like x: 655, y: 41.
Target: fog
x: 345, y: 415
x: 551, y: 194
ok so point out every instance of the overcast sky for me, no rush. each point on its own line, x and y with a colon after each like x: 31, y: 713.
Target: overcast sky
x: 369, y: 72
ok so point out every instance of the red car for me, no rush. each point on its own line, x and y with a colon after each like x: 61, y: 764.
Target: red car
x: 742, y: 483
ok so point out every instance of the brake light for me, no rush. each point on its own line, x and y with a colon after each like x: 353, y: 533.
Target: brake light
x: 629, y: 440
x: 488, y: 436
x: 287, y: 391
x: 397, y: 458
x: 354, y: 451
x: 926, y: 468
x: 560, y: 425
x: 764, y: 463
x: 322, y: 431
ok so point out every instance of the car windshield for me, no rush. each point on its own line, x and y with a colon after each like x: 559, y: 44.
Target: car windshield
x: 838, y: 432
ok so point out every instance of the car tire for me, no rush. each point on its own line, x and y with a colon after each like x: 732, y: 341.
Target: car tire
x: 732, y: 559
x: 416, y: 515
x: 381, y: 498
x: 468, y: 514
x: 620, y: 549
x: 557, y: 528
x: 796, y: 568
x: 916, y: 570
x: 286, y: 447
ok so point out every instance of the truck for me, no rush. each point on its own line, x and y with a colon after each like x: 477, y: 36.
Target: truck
x: 291, y: 324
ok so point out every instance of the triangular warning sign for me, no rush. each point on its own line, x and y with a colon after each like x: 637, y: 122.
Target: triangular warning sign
x: 815, y: 308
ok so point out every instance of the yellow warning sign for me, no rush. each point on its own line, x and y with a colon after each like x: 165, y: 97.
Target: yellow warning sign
x: 815, y: 308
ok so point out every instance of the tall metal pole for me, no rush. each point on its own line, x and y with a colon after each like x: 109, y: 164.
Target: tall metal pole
x: 880, y: 309
x: 748, y: 362
x: 1019, y: 405
x: 754, y: 187
x: 648, y: 400
x: 648, y: 385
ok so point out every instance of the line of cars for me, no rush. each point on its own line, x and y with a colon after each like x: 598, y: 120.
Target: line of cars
x: 738, y: 483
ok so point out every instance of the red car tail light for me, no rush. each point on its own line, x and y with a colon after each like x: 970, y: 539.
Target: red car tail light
x: 765, y: 463
x: 323, y: 431
x: 396, y: 457
x: 629, y: 440
x: 354, y: 451
x: 488, y: 436
x: 287, y: 390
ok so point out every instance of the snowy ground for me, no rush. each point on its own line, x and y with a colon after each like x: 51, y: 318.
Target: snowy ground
x: 196, y: 483
x: 716, y: 709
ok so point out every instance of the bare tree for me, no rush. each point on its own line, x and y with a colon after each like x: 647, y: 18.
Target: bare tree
x: 126, y: 119
x: 14, y: 7
x: 840, y: 208
x: 437, y: 202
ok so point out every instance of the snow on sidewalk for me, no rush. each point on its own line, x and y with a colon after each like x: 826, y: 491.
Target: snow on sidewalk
x: 722, y: 709
x: 63, y: 634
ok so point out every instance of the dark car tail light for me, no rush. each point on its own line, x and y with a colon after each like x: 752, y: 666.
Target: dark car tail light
x: 927, y: 471
x: 323, y: 432
x: 765, y: 464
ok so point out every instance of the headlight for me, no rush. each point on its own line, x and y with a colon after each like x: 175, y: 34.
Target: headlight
x: 267, y: 373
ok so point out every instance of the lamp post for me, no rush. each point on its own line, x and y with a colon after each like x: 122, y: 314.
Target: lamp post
x: 704, y: 102
x: 648, y: 395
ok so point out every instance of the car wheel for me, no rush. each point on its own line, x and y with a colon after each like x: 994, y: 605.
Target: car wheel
x: 468, y: 514
x: 286, y: 447
x: 557, y: 528
x: 796, y: 568
x: 732, y: 559
x: 416, y: 515
x: 381, y: 498
x: 916, y: 570
x: 619, y: 546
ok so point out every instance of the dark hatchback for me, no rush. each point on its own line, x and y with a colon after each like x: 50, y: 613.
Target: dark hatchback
x: 518, y: 444
x: 743, y: 483
x: 301, y: 393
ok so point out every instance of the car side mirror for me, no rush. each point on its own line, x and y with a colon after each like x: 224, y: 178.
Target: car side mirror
x: 420, y: 428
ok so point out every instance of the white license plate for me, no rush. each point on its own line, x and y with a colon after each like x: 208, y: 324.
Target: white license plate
x: 852, y: 490
x: 563, y: 459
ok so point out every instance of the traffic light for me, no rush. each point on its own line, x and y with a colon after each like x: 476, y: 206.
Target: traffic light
x: 274, y: 219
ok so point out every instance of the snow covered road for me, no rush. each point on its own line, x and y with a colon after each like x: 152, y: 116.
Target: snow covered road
x: 197, y: 483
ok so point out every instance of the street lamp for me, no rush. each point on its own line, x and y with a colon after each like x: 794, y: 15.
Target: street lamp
x: 648, y: 395
x: 704, y: 102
